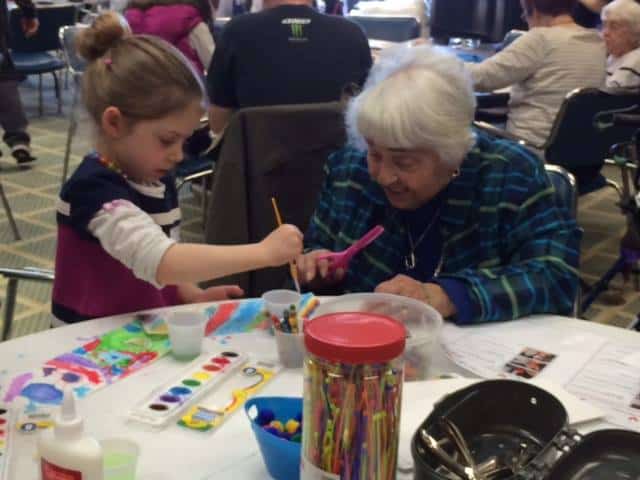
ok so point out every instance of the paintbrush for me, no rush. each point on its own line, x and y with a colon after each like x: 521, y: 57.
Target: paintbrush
x: 292, y: 266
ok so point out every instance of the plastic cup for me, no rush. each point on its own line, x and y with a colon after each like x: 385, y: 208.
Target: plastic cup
x: 277, y: 301
x: 290, y: 349
x: 120, y: 458
x: 186, y: 331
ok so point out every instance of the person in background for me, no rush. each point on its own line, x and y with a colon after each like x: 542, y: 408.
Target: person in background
x: 541, y: 66
x: 472, y: 226
x: 118, y: 214
x: 182, y: 23
x: 586, y: 13
x: 286, y: 54
x: 621, y: 33
x: 12, y: 117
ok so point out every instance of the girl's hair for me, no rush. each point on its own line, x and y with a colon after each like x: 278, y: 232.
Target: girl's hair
x: 553, y: 8
x: 144, y: 77
x: 203, y: 6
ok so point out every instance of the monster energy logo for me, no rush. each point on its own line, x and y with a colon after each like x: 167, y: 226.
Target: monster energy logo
x: 296, y: 30
x: 297, y: 27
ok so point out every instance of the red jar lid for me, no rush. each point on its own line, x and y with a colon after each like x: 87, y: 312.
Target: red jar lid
x: 355, y: 338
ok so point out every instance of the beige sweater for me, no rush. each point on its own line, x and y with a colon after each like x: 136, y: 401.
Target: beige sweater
x: 542, y: 67
x: 624, y: 71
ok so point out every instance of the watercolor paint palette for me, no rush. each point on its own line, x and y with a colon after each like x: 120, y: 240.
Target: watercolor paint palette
x: 201, y: 376
x: 229, y: 397
x: 6, y: 427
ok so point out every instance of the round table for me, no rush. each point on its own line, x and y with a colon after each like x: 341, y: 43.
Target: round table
x: 230, y: 453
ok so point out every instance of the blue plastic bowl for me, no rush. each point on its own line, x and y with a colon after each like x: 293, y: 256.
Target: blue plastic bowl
x: 281, y: 456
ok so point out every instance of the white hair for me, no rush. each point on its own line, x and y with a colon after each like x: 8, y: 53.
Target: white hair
x: 415, y: 97
x: 626, y: 12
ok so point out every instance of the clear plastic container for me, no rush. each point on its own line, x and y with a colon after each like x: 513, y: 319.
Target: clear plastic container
x: 186, y: 332
x: 120, y: 458
x: 353, y: 374
x: 423, y: 324
x: 276, y: 302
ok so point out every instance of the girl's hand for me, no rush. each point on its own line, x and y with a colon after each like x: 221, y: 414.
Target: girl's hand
x: 191, y: 293
x: 312, y: 271
x: 282, y: 245
x: 223, y: 292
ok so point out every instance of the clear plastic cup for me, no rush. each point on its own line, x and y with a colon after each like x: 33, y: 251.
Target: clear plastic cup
x: 277, y: 301
x: 290, y: 349
x: 186, y: 331
x: 120, y: 458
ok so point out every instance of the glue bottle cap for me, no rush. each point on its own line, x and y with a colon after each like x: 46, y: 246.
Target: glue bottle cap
x: 68, y: 423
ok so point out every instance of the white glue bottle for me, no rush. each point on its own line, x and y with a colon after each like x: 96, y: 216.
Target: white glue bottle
x: 65, y: 452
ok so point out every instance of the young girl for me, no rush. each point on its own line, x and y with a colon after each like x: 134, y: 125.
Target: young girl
x: 182, y: 23
x: 118, y: 215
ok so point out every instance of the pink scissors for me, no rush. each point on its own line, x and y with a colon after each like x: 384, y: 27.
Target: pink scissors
x: 341, y: 259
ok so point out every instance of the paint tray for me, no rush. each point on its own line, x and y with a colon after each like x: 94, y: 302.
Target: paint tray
x: 199, y: 378
x: 209, y: 415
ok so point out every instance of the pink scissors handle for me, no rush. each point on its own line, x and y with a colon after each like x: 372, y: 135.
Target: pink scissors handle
x: 367, y: 239
x: 341, y: 259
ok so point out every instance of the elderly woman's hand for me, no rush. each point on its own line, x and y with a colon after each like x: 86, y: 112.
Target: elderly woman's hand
x: 430, y: 293
x: 314, y: 272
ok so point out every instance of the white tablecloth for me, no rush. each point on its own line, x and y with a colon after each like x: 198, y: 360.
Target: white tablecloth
x: 174, y: 453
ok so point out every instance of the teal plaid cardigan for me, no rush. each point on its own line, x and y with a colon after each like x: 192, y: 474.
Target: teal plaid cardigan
x: 505, y: 237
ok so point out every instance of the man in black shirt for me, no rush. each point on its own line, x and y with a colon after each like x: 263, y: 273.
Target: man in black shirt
x: 587, y: 12
x: 286, y: 54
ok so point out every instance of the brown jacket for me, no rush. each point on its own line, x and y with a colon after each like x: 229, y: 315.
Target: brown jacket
x: 275, y: 151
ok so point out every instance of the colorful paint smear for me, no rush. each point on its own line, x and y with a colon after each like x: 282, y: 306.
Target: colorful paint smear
x: 103, y: 361
x: 243, y: 317
x: 123, y: 351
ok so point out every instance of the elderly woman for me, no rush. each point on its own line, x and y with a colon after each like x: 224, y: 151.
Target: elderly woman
x: 471, y: 222
x: 621, y: 32
x: 553, y: 58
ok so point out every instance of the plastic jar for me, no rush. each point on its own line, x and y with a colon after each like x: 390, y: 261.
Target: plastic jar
x: 353, y: 373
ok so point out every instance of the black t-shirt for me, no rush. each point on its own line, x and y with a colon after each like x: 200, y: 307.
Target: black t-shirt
x: 289, y: 54
x: 585, y: 17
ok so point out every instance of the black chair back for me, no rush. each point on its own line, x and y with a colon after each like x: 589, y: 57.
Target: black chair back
x: 577, y: 143
x: 51, y: 18
x: 277, y: 151
x: 217, y: 26
x: 391, y: 29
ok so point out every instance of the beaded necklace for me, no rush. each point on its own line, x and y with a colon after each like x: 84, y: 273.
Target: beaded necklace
x: 105, y: 162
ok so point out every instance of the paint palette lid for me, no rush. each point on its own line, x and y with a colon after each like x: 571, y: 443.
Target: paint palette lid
x: 355, y: 337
